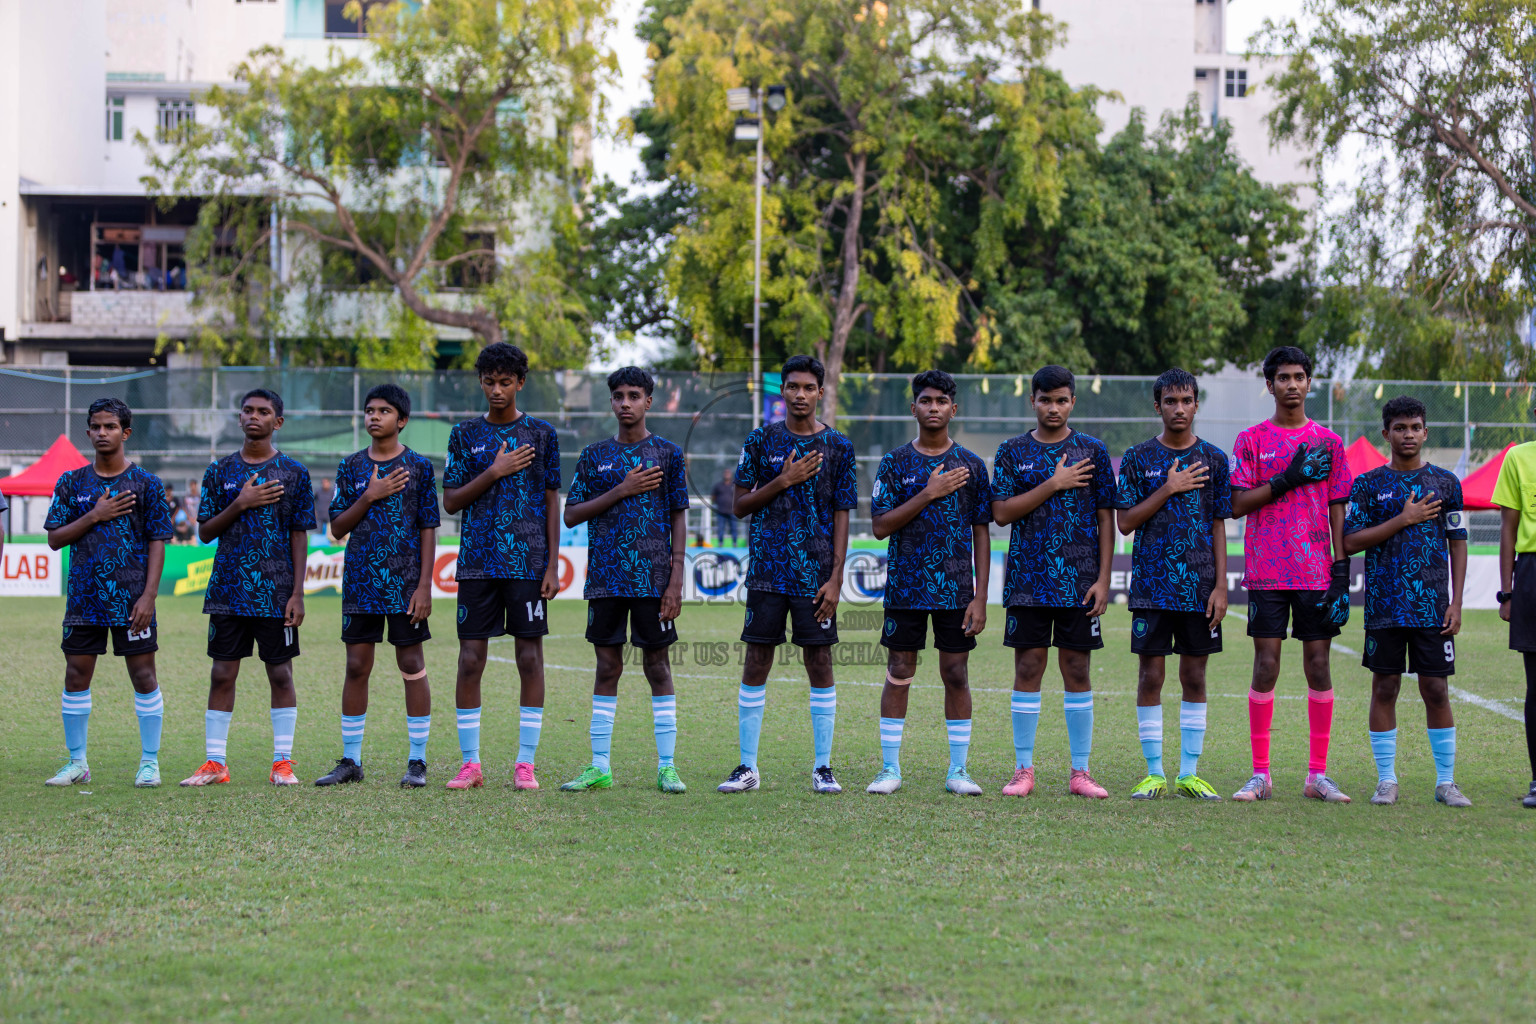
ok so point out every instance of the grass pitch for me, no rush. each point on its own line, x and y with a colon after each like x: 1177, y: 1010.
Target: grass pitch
x: 369, y: 903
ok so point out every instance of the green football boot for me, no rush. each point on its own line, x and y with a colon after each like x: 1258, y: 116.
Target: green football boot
x: 591, y: 777
x: 667, y: 780
x: 1150, y: 788
x: 1196, y: 788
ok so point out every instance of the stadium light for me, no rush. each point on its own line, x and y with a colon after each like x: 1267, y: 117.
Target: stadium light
x: 750, y: 129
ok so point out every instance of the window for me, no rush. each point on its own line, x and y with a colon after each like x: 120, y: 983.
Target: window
x: 176, y: 117
x: 114, y: 119
x: 1237, y: 82
x: 338, y: 24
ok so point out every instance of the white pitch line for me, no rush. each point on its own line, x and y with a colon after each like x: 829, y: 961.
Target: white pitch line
x: 1498, y: 707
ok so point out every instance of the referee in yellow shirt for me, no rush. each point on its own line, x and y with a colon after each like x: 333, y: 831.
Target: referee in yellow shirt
x: 1515, y: 494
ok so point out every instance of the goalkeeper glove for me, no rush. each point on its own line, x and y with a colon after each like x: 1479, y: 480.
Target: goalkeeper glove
x: 1308, y: 466
x: 1334, y: 603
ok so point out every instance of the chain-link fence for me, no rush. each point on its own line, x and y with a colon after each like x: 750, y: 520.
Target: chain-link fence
x: 183, y: 418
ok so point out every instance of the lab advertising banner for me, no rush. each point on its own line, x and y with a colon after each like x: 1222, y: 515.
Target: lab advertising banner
x: 31, y: 570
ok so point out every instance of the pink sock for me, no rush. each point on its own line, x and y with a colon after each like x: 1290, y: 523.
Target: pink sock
x: 1261, y: 712
x: 1319, y: 725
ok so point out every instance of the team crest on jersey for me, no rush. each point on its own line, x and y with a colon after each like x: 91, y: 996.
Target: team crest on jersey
x: 748, y: 621
x: 890, y: 626
x: 68, y: 630
x: 1139, y: 626
x: 463, y: 613
x: 346, y: 622
x: 210, y: 631
x: 1455, y: 520
x: 1013, y: 624
x: 1370, y: 645
x: 592, y: 615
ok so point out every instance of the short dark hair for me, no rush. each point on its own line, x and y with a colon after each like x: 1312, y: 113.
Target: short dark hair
x: 1049, y: 378
x: 631, y: 377
x: 267, y: 393
x: 500, y: 356
x: 805, y: 364
x: 394, y: 395
x: 936, y: 379
x: 1285, y: 355
x: 1175, y: 380
x: 1403, y: 407
x: 116, y: 406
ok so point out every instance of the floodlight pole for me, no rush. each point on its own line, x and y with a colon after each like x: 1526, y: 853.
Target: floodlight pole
x: 757, y: 269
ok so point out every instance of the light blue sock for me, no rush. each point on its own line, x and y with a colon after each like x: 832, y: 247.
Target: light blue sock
x: 1079, y: 712
x: 150, y: 707
x: 417, y: 729
x: 76, y: 711
x: 959, y: 741
x: 749, y: 720
x: 890, y: 742
x: 1026, y: 720
x: 603, y: 710
x: 664, y: 720
x: 530, y: 725
x: 216, y: 734
x: 469, y: 734
x: 283, y: 722
x: 1442, y: 744
x: 1149, y: 726
x: 352, y: 736
x: 1384, y: 750
x: 823, y: 720
x: 1192, y: 735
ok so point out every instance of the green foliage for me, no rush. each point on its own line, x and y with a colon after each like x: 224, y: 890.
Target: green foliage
x: 1432, y: 252
x: 421, y: 172
x: 994, y: 232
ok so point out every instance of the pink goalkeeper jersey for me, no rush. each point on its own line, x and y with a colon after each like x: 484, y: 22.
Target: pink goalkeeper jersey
x: 1285, y: 543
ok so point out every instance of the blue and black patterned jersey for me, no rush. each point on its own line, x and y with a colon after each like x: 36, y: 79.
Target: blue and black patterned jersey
x: 253, y: 570
x: 504, y: 534
x: 1053, y: 553
x: 791, y: 537
x: 629, y: 546
x: 108, y: 567
x: 1173, y: 564
x: 929, y: 560
x: 1407, y: 577
x: 382, y: 566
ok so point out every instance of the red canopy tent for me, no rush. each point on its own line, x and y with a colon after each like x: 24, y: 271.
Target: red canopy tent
x: 1363, y: 457
x: 38, y: 479
x: 1477, y: 488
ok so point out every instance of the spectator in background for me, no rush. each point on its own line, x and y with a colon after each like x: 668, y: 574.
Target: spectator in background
x: 723, y: 498
x: 181, y: 519
x: 323, y: 496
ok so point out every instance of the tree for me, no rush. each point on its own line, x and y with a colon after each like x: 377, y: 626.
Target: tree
x: 857, y: 164
x: 1434, y: 247
x: 414, y: 170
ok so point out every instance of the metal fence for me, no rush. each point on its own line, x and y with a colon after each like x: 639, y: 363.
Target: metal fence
x: 183, y: 418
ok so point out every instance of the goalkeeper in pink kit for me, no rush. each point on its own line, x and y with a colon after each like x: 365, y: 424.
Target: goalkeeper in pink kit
x: 1291, y: 480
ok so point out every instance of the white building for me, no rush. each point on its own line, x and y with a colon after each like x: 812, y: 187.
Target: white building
x: 1156, y: 53
x: 91, y: 270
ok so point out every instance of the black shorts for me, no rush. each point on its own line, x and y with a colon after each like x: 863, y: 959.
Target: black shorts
x: 1030, y: 626
x: 1159, y: 633
x: 490, y: 608
x: 1522, y: 604
x: 230, y: 638
x: 1421, y: 650
x: 906, y: 629
x: 606, y: 617
x: 1269, y: 611
x: 125, y: 640
x: 766, y: 612
x: 367, y: 628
